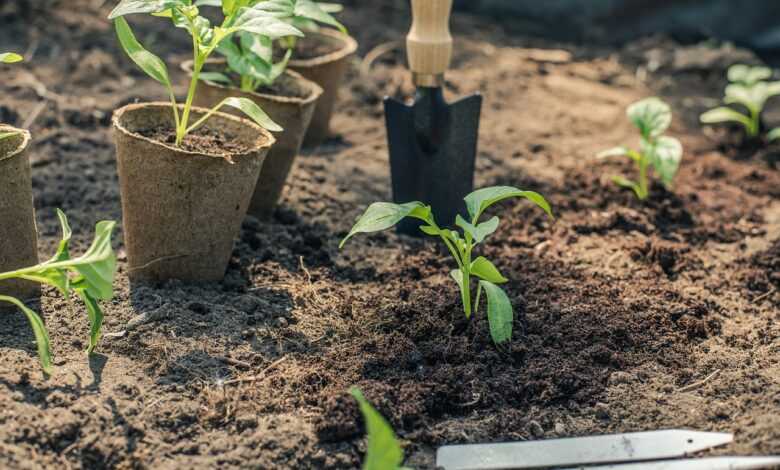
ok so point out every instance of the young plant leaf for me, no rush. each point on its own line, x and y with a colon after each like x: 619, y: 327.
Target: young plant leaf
x: 97, y: 265
x: 724, y: 114
x: 748, y: 75
x: 484, y: 269
x: 216, y: 77
x: 500, y: 314
x: 383, y: 215
x: 251, y: 109
x: 479, y: 200
x: 773, y: 135
x: 626, y: 183
x: 130, y: 7
x: 651, y: 115
x: 39, y: 330
x: 148, y: 62
x: 457, y: 275
x: 95, y: 318
x: 10, y: 58
x: 312, y: 10
x: 666, y: 156
x: 481, y: 231
x: 383, y: 452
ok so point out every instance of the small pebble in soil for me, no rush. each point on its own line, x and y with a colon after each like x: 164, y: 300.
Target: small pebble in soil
x: 602, y: 411
x: 535, y: 429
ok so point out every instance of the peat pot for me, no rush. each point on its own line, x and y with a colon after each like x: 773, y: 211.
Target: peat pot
x: 181, y: 209
x: 327, y: 69
x: 290, y: 104
x: 18, y: 237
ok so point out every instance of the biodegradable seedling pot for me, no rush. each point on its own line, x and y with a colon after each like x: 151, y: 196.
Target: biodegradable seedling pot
x: 18, y: 236
x: 327, y: 70
x: 292, y: 107
x: 182, y: 209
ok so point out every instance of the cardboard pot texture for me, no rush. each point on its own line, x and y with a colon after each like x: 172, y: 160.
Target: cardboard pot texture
x: 328, y: 72
x: 181, y: 210
x: 292, y: 113
x: 18, y: 236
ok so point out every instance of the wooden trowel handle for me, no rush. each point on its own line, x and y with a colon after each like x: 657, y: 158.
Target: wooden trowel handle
x: 429, y: 43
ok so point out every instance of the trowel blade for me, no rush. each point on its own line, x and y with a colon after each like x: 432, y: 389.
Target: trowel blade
x: 591, y: 450
x: 433, y: 149
x: 710, y: 463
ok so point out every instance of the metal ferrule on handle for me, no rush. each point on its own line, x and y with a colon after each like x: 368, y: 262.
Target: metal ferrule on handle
x: 429, y: 43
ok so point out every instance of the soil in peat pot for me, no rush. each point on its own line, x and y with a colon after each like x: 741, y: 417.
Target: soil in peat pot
x: 622, y: 307
x: 204, y: 140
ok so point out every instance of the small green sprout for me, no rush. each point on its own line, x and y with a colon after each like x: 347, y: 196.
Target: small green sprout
x: 749, y: 88
x: 252, y: 57
x: 383, y: 215
x: 384, y: 452
x: 238, y: 17
x: 663, y: 153
x: 90, y: 277
x: 9, y: 58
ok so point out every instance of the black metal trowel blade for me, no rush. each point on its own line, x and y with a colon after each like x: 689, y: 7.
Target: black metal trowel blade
x: 433, y: 149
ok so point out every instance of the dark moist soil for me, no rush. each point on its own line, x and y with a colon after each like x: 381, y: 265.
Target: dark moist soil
x: 621, y: 306
x: 310, y: 48
x: 204, y: 140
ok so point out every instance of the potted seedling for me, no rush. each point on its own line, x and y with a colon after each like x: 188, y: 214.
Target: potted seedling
x: 657, y: 151
x: 322, y: 56
x: 250, y: 69
x: 749, y: 89
x: 90, y: 277
x: 18, y: 238
x: 384, y: 215
x: 187, y: 174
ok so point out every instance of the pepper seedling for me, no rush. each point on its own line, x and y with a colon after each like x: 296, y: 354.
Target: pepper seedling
x: 383, y: 215
x: 238, y: 17
x: 90, y: 277
x: 383, y: 451
x: 9, y: 58
x: 663, y: 153
x: 749, y: 88
x: 251, y: 57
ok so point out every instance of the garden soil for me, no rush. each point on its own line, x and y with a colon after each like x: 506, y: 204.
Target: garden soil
x: 629, y: 316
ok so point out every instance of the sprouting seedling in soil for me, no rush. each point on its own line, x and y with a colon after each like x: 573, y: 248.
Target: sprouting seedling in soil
x: 238, y: 17
x: 383, y: 451
x: 663, y: 153
x: 9, y: 58
x: 251, y: 57
x: 90, y: 277
x: 749, y: 88
x: 383, y: 215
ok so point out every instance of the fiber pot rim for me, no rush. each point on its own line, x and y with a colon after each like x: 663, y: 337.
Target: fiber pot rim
x: 26, y: 137
x: 315, y: 91
x: 265, y: 138
x: 349, y: 47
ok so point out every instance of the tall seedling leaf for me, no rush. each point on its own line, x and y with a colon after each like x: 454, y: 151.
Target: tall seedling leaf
x: 39, y: 330
x: 148, y: 62
x: 10, y: 58
x: 500, y: 315
x: 384, y: 452
x: 383, y: 215
x: 479, y: 200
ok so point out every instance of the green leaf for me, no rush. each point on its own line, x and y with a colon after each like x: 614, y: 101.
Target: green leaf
x: 5, y: 135
x: 331, y: 7
x: 500, y: 314
x: 148, y: 62
x: 652, y: 116
x: 95, y: 318
x: 748, y: 75
x: 665, y: 157
x: 383, y: 215
x: 216, y: 77
x: 457, y: 275
x: 97, y: 265
x: 479, y: 200
x: 625, y: 183
x: 129, y: 7
x: 10, y: 58
x: 773, y: 135
x: 723, y: 114
x: 312, y: 11
x: 251, y: 109
x: 39, y: 330
x: 63, y: 251
x: 430, y: 230
x: 484, y: 269
x: 481, y: 231
x: 383, y: 452
x: 257, y: 21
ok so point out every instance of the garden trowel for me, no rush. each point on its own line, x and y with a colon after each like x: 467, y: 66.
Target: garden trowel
x: 433, y: 144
